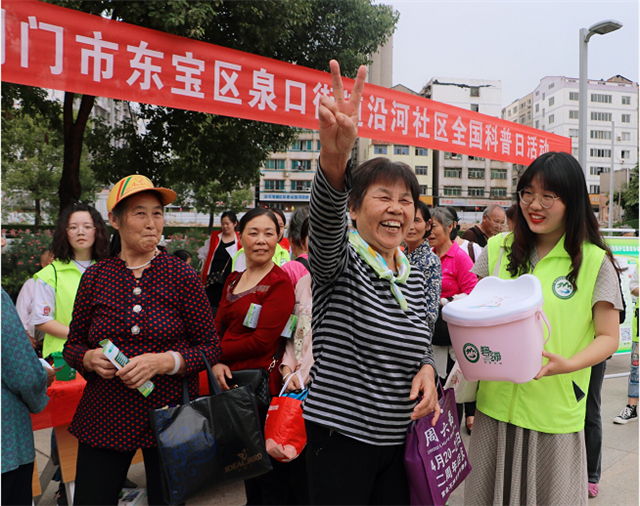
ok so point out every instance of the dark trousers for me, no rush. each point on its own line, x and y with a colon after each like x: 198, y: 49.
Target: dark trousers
x: 16, y: 486
x: 343, y: 470
x: 101, y: 473
x: 593, y: 423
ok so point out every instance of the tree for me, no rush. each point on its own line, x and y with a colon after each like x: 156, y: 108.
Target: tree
x: 32, y: 155
x: 628, y: 196
x: 203, y: 148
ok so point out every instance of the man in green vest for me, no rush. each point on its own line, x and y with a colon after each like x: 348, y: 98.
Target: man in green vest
x: 630, y: 412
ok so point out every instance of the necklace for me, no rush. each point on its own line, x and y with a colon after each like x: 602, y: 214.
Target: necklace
x: 155, y: 254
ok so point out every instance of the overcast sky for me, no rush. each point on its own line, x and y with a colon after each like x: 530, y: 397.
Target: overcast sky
x: 515, y: 41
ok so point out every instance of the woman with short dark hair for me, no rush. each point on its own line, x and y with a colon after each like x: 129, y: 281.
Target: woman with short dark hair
x: 371, y: 336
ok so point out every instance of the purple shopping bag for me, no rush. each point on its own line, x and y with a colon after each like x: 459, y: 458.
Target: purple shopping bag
x: 435, y: 458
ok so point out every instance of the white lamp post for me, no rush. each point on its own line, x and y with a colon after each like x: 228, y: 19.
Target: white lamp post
x: 600, y: 28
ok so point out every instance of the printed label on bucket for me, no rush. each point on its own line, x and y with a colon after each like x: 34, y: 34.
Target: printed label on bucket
x: 489, y: 356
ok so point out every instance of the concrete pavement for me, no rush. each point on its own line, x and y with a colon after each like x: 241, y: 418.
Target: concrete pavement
x: 620, y: 470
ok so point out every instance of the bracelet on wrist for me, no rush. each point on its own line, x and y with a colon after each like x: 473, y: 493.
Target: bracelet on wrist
x: 176, y: 359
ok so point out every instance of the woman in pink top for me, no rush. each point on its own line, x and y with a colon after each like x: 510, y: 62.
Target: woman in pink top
x: 457, y: 282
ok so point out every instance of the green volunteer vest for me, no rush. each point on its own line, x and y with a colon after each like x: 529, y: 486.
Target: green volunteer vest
x: 280, y: 257
x: 64, y: 279
x: 549, y: 404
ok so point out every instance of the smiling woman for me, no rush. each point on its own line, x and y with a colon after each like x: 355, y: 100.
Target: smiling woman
x: 371, y: 336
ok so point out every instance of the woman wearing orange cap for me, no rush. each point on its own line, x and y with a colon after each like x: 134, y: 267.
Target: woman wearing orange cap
x: 153, y: 307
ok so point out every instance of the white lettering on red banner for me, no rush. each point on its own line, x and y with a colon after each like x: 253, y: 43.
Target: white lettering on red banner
x: 54, y: 47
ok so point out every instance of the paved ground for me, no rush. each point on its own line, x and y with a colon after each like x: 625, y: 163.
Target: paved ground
x: 620, y: 470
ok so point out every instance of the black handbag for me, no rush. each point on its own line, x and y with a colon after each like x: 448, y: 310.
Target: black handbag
x: 441, y: 335
x: 209, y: 441
x: 258, y: 379
x: 217, y: 277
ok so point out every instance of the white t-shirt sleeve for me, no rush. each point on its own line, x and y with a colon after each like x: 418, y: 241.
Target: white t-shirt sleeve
x: 24, y: 304
x: 44, y: 304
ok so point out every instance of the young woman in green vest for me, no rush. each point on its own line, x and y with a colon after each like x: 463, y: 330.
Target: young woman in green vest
x: 79, y: 240
x: 527, y: 445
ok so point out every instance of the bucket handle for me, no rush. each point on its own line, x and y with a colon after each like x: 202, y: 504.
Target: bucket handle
x: 546, y: 322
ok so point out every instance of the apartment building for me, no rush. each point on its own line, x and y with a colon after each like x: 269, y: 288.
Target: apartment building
x: 463, y: 181
x: 612, y: 122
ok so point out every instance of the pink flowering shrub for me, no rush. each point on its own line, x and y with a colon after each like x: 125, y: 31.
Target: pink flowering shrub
x: 21, y: 257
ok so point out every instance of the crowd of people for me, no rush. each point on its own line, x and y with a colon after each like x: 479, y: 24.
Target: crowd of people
x: 369, y: 344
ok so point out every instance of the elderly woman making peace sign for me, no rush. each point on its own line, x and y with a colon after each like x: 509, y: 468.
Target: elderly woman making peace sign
x: 371, y: 337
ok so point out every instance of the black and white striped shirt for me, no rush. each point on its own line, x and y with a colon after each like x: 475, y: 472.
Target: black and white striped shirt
x: 366, y: 348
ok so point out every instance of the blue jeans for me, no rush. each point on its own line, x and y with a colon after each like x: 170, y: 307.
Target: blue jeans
x: 633, y: 375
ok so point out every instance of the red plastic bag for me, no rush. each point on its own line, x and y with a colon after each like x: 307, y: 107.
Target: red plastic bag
x: 284, y: 431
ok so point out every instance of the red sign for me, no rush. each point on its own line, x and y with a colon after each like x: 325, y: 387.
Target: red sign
x: 48, y: 46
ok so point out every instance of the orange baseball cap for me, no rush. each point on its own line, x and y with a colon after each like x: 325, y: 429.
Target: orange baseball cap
x: 130, y: 185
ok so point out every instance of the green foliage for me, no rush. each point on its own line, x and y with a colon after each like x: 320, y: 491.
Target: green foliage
x: 190, y: 240
x: 629, y: 196
x: 21, y: 258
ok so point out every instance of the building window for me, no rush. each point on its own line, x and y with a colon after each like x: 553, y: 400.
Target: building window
x: 424, y: 189
x: 498, y: 173
x: 300, y: 186
x: 422, y: 151
x: 422, y: 170
x: 551, y: 101
x: 594, y: 188
x: 537, y: 107
x: 452, y: 156
x: 573, y: 132
x: 600, y: 98
x: 600, y: 134
x: 379, y: 149
x: 274, y: 164
x: 595, y: 171
x: 522, y: 119
x: 498, y: 192
x: 573, y: 95
x: 476, y: 173
x: 626, y: 100
x: 573, y: 114
x: 574, y: 152
x: 551, y: 85
x: 551, y: 118
x: 318, y: 145
x: 626, y: 118
x: 453, y: 173
x: 537, y: 93
x: 476, y: 191
x: 274, y: 184
x: 625, y: 153
x: 474, y: 91
x: 515, y: 109
x: 453, y: 190
x: 476, y: 158
x: 537, y: 123
x: 475, y: 107
x: 300, y: 164
x: 400, y: 149
x: 528, y: 114
x: 601, y: 116
x: 625, y: 136
x: 600, y: 153
x: 302, y: 146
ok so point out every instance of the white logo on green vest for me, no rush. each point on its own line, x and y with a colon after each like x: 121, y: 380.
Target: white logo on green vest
x: 562, y: 288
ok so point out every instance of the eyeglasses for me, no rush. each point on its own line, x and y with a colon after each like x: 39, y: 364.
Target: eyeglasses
x: 545, y: 201
x: 75, y: 230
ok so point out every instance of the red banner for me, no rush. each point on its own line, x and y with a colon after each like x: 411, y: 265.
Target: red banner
x: 53, y: 47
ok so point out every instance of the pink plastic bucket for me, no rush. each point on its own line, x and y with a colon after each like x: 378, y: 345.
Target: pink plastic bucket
x: 497, y: 332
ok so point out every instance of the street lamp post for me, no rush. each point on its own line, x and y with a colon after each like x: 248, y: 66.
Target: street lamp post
x: 611, y: 183
x: 600, y: 28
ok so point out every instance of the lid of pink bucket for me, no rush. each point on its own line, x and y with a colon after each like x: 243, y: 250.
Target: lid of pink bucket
x: 495, y: 301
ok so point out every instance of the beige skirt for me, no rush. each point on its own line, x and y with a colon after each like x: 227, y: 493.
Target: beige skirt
x: 521, y: 467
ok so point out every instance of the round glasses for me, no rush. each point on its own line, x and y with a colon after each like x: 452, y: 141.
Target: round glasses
x: 74, y: 230
x: 545, y: 201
